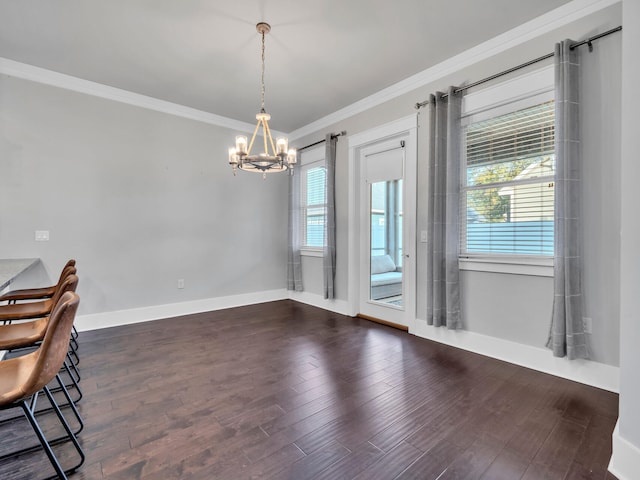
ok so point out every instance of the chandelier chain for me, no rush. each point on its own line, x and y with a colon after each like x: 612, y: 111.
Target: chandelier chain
x: 262, y: 77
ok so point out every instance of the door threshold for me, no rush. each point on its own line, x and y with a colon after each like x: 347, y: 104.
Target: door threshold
x: 383, y: 322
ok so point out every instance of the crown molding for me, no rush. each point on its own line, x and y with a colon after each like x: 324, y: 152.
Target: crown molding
x: 537, y: 27
x: 68, y: 82
x: 541, y: 25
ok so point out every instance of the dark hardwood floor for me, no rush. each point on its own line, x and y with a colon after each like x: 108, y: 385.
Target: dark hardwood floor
x: 288, y: 391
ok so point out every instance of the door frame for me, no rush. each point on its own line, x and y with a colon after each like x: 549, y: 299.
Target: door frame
x: 406, y: 129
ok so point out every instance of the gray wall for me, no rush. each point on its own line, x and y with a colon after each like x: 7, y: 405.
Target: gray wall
x: 629, y: 421
x: 139, y: 198
x: 142, y: 198
x: 517, y: 307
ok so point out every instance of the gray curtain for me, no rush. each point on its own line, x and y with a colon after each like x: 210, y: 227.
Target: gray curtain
x: 294, y: 264
x: 443, y: 243
x: 567, y: 335
x: 329, y: 251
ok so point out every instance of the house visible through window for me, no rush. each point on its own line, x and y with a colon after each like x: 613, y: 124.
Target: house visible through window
x: 313, y: 208
x: 507, y: 191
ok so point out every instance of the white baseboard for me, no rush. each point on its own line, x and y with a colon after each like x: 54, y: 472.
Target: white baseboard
x: 337, y: 306
x: 591, y: 373
x: 145, y: 314
x: 625, y: 460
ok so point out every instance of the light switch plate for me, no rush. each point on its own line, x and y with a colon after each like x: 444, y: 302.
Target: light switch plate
x: 42, y: 236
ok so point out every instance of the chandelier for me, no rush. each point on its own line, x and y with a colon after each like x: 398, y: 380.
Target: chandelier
x: 275, y: 157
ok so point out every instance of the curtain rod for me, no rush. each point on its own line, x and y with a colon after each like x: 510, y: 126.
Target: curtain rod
x: 333, y: 135
x: 588, y: 41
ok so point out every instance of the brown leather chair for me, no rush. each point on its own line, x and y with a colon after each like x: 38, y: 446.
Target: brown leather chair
x: 23, y: 377
x: 42, y: 292
x: 29, y: 333
x: 25, y: 334
x: 35, y: 309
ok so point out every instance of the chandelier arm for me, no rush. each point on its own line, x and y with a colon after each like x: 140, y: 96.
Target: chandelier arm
x: 253, y: 137
x: 268, y: 132
x: 264, y: 136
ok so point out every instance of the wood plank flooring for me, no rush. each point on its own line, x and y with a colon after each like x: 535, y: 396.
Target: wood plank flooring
x: 287, y: 391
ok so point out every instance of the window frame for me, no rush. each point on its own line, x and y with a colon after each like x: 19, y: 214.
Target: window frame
x: 309, y: 159
x: 524, y: 91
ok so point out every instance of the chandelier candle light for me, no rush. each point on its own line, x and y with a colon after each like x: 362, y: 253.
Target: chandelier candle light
x: 280, y: 157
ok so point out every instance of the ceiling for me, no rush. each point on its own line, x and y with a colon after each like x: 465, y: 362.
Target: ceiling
x: 321, y: 55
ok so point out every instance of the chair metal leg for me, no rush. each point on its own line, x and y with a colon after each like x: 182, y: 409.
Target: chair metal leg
x: 73, y: 367
x: 73, y: 343
x: 74, y: 384
x: 74, y: 353
x: 43, y: 441
x: 69, y: 368
x: 32, y: 408
x: 64, y: 423
x: 71, y: 404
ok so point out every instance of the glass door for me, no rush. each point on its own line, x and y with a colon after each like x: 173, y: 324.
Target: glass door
x: 387, y: 268
x: 385, y: 263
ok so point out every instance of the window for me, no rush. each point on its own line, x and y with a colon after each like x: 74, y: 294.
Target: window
x: 312, y: 197
x: 507, y: 189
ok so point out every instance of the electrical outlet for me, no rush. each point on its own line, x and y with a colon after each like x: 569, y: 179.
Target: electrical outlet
x: 42, y: 236
x: 181, y: 283
x: 587, y: 324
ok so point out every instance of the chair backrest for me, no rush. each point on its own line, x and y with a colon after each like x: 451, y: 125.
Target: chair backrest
x: 66, y: 271
x: 69, y: 284
x: 53, y: 350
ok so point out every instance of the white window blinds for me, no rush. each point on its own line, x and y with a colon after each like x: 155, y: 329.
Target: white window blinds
x: 507, y: 189
x: 314, y: 204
